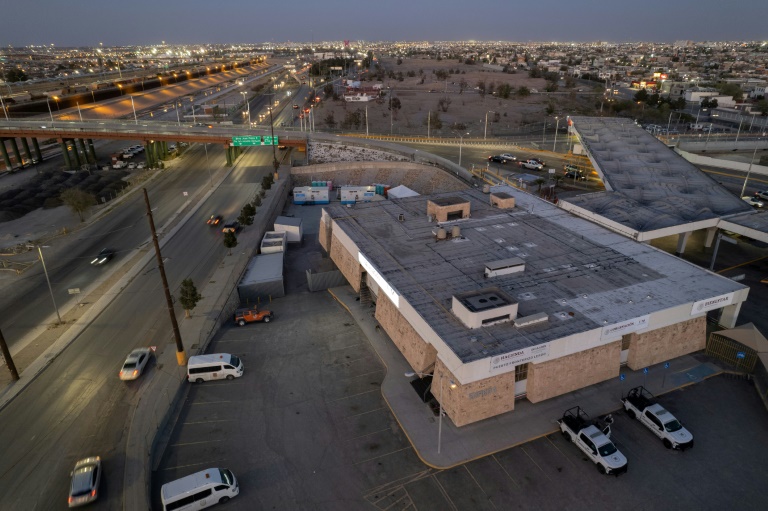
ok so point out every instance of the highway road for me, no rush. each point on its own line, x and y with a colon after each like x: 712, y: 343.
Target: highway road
x: 77, y: 407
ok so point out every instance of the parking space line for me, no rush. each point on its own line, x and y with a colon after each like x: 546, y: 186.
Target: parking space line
x: 445, y: 493
x: 209, y: 403
x: 196, y: 443
x: 368, y: 434
x: 235, y: 340
x: 522, y: 448
x: 479, y: 486
x: 568, y: 458
x: 382, y: 455
x: 353, y: 395
x: 209, y: 422
x: 505, y: 471
x: 361, y: 375
x: 195, y: 464
x: 347, y: 347
x: 363, y: 413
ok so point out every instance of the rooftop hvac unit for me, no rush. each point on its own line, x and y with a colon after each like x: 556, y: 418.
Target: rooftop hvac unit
x: 455, y: 231
x: 401, y: 217
x: 441, y: 234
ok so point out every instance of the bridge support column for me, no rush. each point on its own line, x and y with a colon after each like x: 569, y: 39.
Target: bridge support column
x: 164, y: 149
x: 65, y: 153
x: 76, y: 154
x: 228, y: 151
x: 148, y: 154
x: 16, y: 153
x: 38, y: 153
x: 91, y: 150
x: 6, y: 159
x: 682, y: 239
x: 157, y: 151
x: 25, y: 146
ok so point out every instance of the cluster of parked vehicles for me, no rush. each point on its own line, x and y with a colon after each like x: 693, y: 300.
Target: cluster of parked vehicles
x: 530, y: 164
x: 593, y: 437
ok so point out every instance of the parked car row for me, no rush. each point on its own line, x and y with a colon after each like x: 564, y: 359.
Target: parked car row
x: 592, y: 437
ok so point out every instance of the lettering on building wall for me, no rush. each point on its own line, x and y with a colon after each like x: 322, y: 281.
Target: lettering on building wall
x: 625, y: 327
x: 711, y: 304
x: 482, y: 393
x: 508, y: 361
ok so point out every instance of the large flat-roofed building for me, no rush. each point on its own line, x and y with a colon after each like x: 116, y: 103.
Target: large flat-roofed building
x: 508, y: 297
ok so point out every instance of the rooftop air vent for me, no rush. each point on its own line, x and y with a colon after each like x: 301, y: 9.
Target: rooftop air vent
x: 504, y: 267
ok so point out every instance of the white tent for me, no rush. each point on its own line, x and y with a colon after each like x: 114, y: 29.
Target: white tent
x: 400, y: 192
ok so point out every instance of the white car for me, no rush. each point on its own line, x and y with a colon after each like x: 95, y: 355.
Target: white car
x: 135, y: 363
x: 531, y: 165
x: 508, y: 157
x: 763, y: 194
x: 132, y: 165
x: 141, y: 165
x: 753, y: 201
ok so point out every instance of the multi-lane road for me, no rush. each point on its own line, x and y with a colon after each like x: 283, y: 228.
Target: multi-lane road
x: 77, y: 407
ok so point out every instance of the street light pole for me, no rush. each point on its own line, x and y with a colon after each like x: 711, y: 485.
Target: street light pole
x: 275, y: 163
x: 557, y: 126
x: 6, y: 111
x: 210, y: 176
x: 79, y: 112
x: 669, y: 121
x: 738, y: 132
x: 176, y: 107
x: 485, y: 133
x: 135, y: 118
x: 708, y: 134
x: 744, y: 188
x: 45, y: 270
x: 366, y: 120
x: 48, y: 102
x: 248, y: 105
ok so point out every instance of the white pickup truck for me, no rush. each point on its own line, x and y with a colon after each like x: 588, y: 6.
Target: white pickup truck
x: 640, y: 404
x: 592, y: 437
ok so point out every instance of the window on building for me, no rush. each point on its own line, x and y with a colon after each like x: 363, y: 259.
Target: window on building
x: 521, y: 372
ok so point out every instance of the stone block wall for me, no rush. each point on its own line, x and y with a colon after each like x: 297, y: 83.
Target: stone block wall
x: 656, y: 346
x: 423, y: 179
x: 502, y: 202
x: 573, y: 372
x: 346, y: 263
x: 420, y: 354
x: 325, y: 232
x: 440, y: 213
x: 474, y: 401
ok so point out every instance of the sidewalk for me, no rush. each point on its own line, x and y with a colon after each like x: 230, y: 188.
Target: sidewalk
x: 525, y: 423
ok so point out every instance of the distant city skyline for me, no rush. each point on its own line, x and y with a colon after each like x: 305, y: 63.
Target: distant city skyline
x: 144, y: 22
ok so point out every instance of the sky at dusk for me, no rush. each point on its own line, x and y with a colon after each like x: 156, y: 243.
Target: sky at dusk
x: 142, y: 22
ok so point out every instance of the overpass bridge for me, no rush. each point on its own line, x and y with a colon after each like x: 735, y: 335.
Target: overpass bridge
x: 76, y: 138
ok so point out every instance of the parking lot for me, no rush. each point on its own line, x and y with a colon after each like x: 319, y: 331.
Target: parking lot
x: 306, y: 427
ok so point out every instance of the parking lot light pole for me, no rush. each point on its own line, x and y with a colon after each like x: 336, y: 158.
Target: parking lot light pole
x: 411, y: 374
x: 557, y: 126
x: 45, y: 270
x: 669, y: 121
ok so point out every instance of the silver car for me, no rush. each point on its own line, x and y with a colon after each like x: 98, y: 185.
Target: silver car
x: 135, y: 363
x: 84, y: 487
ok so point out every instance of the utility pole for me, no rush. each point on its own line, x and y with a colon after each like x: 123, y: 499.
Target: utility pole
x: 181, y: 356
x: 7, y: 357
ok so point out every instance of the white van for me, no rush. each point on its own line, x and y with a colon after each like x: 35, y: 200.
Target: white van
x: 200, y: 490
x: 215, y: 366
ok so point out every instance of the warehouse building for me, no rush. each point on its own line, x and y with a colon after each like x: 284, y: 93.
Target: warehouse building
x: 503, y: 296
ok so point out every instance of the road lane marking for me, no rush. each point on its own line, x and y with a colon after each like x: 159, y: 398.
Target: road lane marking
x: 361, y: 375
x: 196, y: 443
x: 209, y: 422
x: 195, y: 464
x: 368, y: 434
x: 383, y: 455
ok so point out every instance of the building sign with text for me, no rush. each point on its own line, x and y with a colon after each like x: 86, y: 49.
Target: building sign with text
x: 625, y: 327
x: 711, y: 304
x: 504, y: 363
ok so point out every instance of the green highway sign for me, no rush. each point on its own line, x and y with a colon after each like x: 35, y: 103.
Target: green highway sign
x: 253, y: 141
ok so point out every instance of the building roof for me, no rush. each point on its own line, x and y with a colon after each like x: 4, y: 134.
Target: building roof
x: 264, y: 268
x: 580, y: 274
x: 648, y: 186
x: 288, y: 220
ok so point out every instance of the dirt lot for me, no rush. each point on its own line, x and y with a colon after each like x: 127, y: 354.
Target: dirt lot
x: 468, y: 107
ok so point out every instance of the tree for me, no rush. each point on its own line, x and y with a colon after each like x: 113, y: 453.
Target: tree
x: 188, y: 296
x: 540, y: 181
x: 78, y: 201
x: 762, y: 107
x: 443, y: 103
x: 481, y: 88
x: 328, y: 89
x: 15, y: 75
x: 730, y: 89
x: 266, y: 182
x: 394, y: 105
x: 230, y: 241
x: 247, y: 214
x: 399, y: 61
x: 523, y: 92
x: 504, y: 91
x: 462, y: 85
x: 433, y: 120
x: 329, y: 120
x: 641, y: 95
